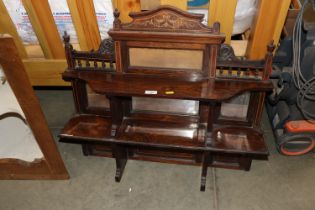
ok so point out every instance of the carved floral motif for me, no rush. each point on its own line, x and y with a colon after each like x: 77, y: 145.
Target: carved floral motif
x: 167, y: 21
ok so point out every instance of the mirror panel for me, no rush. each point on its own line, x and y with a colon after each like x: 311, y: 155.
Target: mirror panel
x: 95, y: 99
x: 166, y: 58
x: 236, y: 107
x: 171, y: 106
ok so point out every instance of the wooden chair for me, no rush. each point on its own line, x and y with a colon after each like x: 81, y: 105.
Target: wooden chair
x: 49, y: 164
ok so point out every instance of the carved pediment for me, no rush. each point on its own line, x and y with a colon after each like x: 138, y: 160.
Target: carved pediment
x: 167, y: 19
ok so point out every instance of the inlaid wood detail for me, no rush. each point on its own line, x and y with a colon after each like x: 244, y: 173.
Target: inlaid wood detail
x: 167, y: 18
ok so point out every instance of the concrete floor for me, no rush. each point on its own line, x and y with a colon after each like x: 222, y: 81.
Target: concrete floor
x: 281, y: 183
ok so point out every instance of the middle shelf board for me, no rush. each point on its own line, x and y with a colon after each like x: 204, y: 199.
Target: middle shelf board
x: 148, y: 86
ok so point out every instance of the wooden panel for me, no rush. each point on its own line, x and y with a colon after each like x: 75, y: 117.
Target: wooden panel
x: 125, y: 7
x: 45, y: 28
x: 21, y: 86
x: 45, y: 72
x: 267, y: 27
x: 281, y: 16
x: 181, y: 4
x: 35, y: 51
x: 223, y: 12
x: 149, y: 4
x: 85, y: 22
x: 239, y: 47
x: 115, y: 3
x: 8, y: 27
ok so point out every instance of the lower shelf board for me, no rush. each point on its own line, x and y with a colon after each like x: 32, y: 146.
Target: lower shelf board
x: 237, y: 139
x: 87, y: 129
x: 87, y: 126
x: 166, y: 142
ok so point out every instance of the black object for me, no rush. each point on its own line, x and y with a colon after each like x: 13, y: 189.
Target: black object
x: 287, y: 103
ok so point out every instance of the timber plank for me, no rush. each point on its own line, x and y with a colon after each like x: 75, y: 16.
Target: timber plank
x: 7, y: 27
x: 45, y: 28
x: 44, y: 72
x: 85, y: 23
x: 148, y: 5
x: 223, y: 12
x: 125, y: 7
x: 181, y: 4
x: 267, y: 27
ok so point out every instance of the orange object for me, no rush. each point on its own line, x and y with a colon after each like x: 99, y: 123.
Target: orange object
x: 295, y: 153
x: 300, y: 126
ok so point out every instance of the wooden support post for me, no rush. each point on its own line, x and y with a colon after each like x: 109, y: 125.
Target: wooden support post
x: 45, y: 28
x: 206, y: 160
x: 121, y: 158
x: 80, y: 96
x: 125, y: 7
x: 116, y: 105
x: 87, y: 149
x: 223, y: 12
x: 268, y: 25
x: 85, y: 23
x: 8, y: 27
x: 245, y: 163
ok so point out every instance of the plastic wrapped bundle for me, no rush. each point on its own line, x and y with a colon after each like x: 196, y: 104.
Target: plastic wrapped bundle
x: 62, y: 17
x: 244, y: 15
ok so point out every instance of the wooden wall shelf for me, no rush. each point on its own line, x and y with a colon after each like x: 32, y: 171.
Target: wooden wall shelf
x: 160, y: 127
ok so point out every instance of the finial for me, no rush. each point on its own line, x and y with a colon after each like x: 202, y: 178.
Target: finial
x: 270, y: 46
x: 117, y: 21
x: 216, y: 27
x: 268, y: 60
x: 66, y: 37
x: 68, y: 50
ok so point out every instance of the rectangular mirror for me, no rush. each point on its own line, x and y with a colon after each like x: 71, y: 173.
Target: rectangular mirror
x: 236, y: 107
x: 95, y: 99
x: 171, y: 106
x: 166, y: 58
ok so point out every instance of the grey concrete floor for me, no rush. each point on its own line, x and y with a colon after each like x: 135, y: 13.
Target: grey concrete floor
x: 281, y: 183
